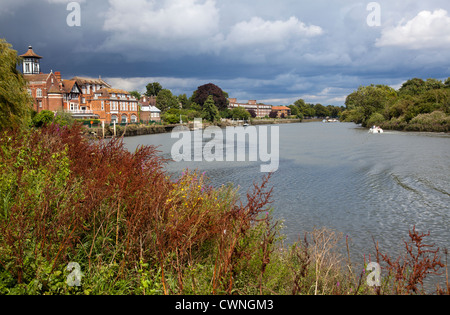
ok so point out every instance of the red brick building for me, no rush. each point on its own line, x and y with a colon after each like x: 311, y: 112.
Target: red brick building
x: 282, y: 111
x: 82, y: 97
x: 148, y: 110
x: 114, y: 105
x: 261, y: 110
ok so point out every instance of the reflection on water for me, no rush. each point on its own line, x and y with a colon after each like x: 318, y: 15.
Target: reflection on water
x: 339, y: 176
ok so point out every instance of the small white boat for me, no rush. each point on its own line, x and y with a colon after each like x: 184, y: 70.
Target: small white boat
x: 375, y: 130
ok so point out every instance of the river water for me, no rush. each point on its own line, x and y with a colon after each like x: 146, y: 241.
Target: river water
x: 336, y: 175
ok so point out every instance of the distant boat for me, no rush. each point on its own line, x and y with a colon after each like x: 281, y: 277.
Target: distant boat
x: 375, y: 130
x: 246, y: 124
x: 330, y: 120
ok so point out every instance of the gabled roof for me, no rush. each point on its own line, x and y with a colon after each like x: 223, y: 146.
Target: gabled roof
x: 54, y: 90
x: 68, y: 86
x: 36, y: 77
x: 84, y: 80
x: 115, y: 91
x: 31, y: 53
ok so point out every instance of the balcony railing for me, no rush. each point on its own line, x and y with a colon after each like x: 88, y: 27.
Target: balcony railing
x: 80, y: 111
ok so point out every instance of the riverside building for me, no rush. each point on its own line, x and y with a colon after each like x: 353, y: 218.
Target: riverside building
x: 83, y: 98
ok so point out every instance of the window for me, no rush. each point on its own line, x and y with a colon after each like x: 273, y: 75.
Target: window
x: 124, y: 119
x: 40, y: 104
x: 114, y: 118
x: 103, y: 105
x: 29, y: 92
x: 73, y: 107
x: 133, y: 118
x: 38, y: 93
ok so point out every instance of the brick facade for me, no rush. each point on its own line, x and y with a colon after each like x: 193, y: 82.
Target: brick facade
x: 82, y: 97
x: 261, y: 110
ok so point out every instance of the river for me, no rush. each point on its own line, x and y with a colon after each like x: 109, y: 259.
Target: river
x: 336, y: 175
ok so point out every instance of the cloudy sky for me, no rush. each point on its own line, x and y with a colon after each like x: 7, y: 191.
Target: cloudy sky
x: 272, y: 51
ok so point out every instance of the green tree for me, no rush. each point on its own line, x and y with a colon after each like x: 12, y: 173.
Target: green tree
x: 43, y: 118
x: 412, y: 87
x: 210, y: 111
x: 153, y: 89
x: 184, y: 101
x: 295, y: 111
x: 240, y: 113
x: 447, y: 83
x: 321, y: 111
x: 15, y: 102
x: 434, y: 84
x: 166, y: 100
x: 368, y: 100
x: 136, y: 94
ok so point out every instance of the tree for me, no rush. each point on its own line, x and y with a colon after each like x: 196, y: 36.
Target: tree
x: 210, y: 111
x: 15, y: 102
x: 434, y: 84
x: 184, y: 101
x: 321, y: 111
x: 153, y: 89
x: 412, y: 87
x: 203, y: 92
x: 295, y: 111
x: 252, y: 113
x: 166, y: 100
x: 136, y: 94
x: 368, y: 100
x: 240, y: 113
x: 273, y: 114
x: 447, y: 83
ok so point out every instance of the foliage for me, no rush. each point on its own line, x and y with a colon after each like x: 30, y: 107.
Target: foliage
x: 210, y: 111
x: 203, y: 92
x: 133, y: 229
x: 166, y: 100
x: 407, y: 273
x: 153, y: 89
x: 252, y: 113
x: 416, y: 97
x: 15, y: 102
x: 240, y: 113
x: 273, y: 114
x: 136, y: 94
x: 43, y: 118
x: 302, y: 110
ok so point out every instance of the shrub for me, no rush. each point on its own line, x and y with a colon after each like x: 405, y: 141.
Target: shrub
x: 43, y: 118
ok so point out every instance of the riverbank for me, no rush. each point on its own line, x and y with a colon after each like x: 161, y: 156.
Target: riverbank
x: 129, y: 229
x: 141, y: 130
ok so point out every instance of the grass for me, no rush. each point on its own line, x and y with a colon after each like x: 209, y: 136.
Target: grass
x: 134, y: 230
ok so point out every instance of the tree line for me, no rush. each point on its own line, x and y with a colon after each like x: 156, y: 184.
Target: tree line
x: 301, y: 109
x: 419, y: 105
x: 208, y: 102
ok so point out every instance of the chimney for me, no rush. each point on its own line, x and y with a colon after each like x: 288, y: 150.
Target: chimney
x: 58, y: 75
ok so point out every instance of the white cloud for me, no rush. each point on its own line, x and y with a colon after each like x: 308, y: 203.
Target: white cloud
x: 278, y: 33
x: 162, y: 25
x: 427, y: 30
x: 192, y: 27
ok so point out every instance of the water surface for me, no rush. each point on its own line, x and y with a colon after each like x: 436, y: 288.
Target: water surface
x: 338, y: 176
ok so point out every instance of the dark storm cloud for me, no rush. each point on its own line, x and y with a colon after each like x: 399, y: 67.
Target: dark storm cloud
x: 276, y: 51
